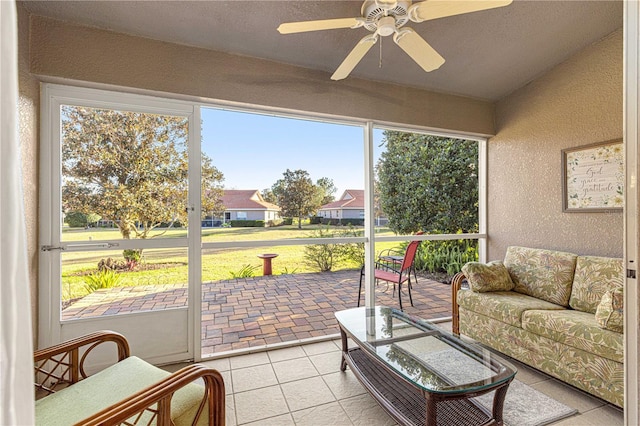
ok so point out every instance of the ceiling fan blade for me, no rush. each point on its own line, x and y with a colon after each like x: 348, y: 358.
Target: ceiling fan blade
x: 354, y: 57
x: 325, y: 24
x: 434, y: 9
x: 419, y: 50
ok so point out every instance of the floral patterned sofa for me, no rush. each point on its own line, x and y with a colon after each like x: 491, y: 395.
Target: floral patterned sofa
x: 557, y: 312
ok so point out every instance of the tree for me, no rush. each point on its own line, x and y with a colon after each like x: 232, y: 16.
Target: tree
x: 327, y: 188
x: 429, y: 183
x: 297, y: 195
x: 80, y: 220
x: 131, y: 168
x: 269, y: 196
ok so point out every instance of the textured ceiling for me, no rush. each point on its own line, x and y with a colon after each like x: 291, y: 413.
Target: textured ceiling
x: 488, y: 54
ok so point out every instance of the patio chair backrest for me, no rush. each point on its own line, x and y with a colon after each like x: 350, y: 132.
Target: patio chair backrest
x: 409, y: 255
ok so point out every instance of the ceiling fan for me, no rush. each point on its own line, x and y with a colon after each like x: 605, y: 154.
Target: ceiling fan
x: 386, y: 17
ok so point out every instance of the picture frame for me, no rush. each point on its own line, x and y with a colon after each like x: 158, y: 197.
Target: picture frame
x: 593, y: 177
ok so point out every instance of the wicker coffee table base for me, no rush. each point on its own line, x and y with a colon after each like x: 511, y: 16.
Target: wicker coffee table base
x: 409, y: 405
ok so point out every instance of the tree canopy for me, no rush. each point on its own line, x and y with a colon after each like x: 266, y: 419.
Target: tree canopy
x: 428, y: 183
x: 297, y: 195
x: 131, y: 168
x: 328, y: 189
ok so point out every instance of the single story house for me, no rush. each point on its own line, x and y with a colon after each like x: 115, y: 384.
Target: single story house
x: 246, y: 204
x: 349, y: 206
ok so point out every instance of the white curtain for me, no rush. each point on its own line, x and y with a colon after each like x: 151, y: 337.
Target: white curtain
x: 16, y: 359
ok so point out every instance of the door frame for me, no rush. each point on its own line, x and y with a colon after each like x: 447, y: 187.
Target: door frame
x: 50, y: 322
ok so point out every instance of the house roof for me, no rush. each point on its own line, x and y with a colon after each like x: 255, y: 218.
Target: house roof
x: 234, y: 199
x: 350, y: 199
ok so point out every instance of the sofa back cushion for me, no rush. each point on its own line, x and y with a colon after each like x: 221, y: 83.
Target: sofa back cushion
x: 545, y: 274
x: 593, y: 278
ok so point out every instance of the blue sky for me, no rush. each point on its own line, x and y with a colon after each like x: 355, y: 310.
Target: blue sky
x: 253, y: 151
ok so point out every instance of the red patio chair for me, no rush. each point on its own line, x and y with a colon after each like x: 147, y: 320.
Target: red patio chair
x: 394, y: 256
x: 396, y: 275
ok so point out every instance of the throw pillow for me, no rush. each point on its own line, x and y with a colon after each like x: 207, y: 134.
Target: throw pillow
x: 609, y: 313
x: 492, y: 276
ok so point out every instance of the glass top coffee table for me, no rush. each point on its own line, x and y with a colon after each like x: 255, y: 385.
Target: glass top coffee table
x: 420, y: 374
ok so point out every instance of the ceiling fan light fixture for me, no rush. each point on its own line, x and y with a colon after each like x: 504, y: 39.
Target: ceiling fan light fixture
x: 386, y: 26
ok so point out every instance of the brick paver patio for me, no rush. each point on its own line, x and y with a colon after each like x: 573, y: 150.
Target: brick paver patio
x: 249, y: 312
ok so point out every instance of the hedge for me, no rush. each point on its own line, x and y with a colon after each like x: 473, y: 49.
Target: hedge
x: 247, y: 223
x: 355, y: 222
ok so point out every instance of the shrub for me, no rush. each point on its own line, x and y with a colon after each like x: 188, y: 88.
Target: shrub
x: 132, y: 255
x: 105, y: 278
x: 321, y: 256
x: 247, y: 271
x: 315, y: 220
x: 324, y: 256
x: 352, y: 252
x: 445, y: 256
x: 287, y: 221
x: 356, y: 222
x: 247, y: 223
x: 110, y: 264
x: 80, y: 220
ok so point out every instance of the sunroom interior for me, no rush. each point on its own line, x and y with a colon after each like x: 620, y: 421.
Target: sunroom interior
x: 542, y: 77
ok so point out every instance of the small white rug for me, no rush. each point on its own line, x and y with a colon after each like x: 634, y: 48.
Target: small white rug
x: 525, y: 406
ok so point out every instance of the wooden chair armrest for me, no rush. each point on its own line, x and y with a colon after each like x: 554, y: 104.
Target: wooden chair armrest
x: 157, y: 400
x: 64, y: 363
x: 456, y: 284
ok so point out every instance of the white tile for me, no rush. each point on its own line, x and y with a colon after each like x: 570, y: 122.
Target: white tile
x: 222, y: 364
x: 327, y: 363
x: 228, y: 384
x: 319, y: 348
x: 363, y: 410
x: 283, y: 420
x: 249, y: 360
x: 260, y: 404
x: 343, y: 385
x: 601, y: 416
x: 230, y: 411
x: 306, y: 393
x: 322, y: 415
x: 286, y: 354
x: 567, y: 395
x: 294, y: 369
x: 338, y: 343
x: 528, y: 375
x: 258, y: 376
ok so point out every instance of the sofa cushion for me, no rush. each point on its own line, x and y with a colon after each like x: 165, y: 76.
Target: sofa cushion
x: 593, y: 278
x: 610, y: 312
x: 121, y: 380
x: 544, y: 274
x: 576, y: 329
x: 504, y: 306
x: 492, y: 276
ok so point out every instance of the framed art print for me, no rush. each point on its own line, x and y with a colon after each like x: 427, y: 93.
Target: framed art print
x: 593, y: 177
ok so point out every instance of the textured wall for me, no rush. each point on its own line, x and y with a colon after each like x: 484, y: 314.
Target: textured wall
x: 88, y: 54
x: 579, y: 102
x: 29, y: 108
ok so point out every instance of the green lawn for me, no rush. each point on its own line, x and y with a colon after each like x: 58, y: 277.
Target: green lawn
x: 171, y: 264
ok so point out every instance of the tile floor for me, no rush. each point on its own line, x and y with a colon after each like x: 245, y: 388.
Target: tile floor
x: 303, y: 385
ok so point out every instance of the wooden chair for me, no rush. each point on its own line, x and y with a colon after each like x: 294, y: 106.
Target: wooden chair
x: 130, y: 392
x: 395, y: 275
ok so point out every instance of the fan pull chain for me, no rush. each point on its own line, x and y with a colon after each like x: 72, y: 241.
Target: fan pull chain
x: 380, y: 61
